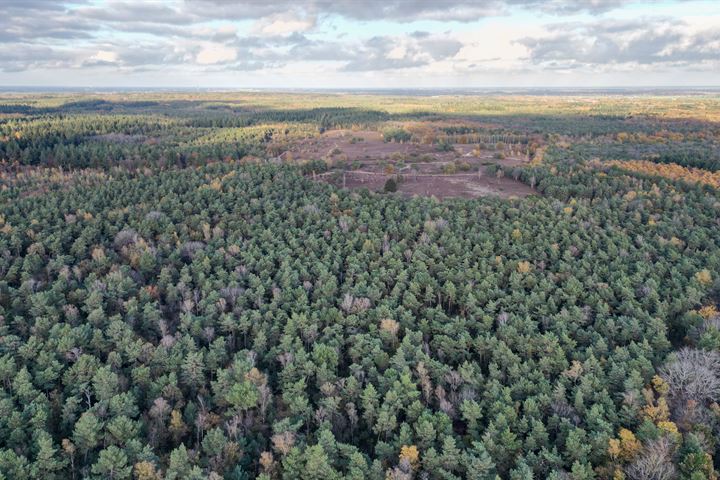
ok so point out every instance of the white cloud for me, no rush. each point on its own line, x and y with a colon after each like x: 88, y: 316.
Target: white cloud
x: 105, y: 56
x: 283, y: 24
x: 494, y: 47
x: 397, y: 53
x: 344, y: 42
x: 215, y: 53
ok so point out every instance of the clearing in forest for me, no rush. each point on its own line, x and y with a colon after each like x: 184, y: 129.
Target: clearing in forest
x: 363, y: 159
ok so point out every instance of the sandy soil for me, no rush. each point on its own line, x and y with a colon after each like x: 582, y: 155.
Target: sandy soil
x: 423, y: 170
x: 437, y: 185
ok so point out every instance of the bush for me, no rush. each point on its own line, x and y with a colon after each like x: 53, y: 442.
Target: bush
x: 390, y: 185
x: 463, y: 166
x: 396, y: 135
x: 444, y: 145
x: 449, y: 168
x: 317, y: 166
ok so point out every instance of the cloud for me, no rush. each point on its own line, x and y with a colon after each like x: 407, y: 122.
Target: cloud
x: 216, y: 53
x: 133, y: 11
x: 345, y: 37
x: 313, y: 50
x: 18, y: 57
x: 440, y: 48
x: 607, y: 43
x: 221, y: 34
x: 399, y: 10
x: 568, y: 7
x: 392, y: 53
x: 104, y: 57
x: 283, y: 24
x: 37, y: 21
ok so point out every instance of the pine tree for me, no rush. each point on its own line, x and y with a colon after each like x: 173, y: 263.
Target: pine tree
x: 48, y: 465
x: 179, y: 466
x: 87, y: 433
x: 112, y: 464
x: 317, y: 465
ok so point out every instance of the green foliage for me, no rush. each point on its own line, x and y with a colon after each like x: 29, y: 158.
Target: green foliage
x: 390, y: 185
x: 112, y: 465
x: 398, y: 135
x: 240, y: 320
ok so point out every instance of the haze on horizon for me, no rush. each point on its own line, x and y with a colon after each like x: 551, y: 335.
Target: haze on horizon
x: 360, y: 43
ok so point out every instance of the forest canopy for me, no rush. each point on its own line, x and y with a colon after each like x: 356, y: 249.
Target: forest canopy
x: 181, y: 298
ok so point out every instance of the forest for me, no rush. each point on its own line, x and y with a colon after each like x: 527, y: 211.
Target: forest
x: 279, y: 286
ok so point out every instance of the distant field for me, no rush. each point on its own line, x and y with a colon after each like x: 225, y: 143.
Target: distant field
x: 439, y: 134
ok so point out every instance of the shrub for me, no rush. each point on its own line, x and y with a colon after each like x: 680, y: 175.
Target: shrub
x: 449, y: 168
x: 396, y: 135
x: 444, y: 145
x: 317, y: 166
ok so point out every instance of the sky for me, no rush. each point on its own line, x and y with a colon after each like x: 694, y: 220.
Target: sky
x: 359, y: 43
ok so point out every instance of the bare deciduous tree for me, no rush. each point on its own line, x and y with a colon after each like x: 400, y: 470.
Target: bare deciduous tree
x: 694, y: 375
x: 655, y: 462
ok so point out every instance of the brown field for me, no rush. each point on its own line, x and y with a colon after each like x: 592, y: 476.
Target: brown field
x: 437, y: 185
x: 351, y: 145
x: 361, y: 159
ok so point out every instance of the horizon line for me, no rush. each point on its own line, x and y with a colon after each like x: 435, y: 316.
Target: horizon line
x: 450, y: 89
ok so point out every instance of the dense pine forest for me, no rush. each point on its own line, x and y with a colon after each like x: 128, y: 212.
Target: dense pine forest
x: 188, y: 290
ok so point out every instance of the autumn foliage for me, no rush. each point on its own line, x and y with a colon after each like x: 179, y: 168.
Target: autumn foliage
x: 668, y: 170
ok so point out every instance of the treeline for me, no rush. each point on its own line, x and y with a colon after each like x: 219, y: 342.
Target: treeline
x: 106, y: 140
x: 695, y: 154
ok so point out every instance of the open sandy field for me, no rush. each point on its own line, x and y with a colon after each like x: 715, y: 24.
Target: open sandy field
x: 362, y: 159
